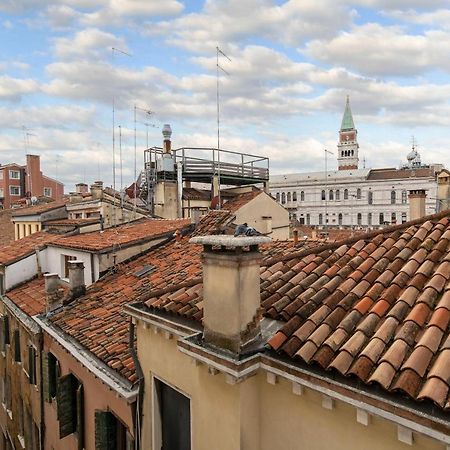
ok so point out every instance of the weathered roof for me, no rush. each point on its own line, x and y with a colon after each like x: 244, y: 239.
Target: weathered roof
x: 17, y: 250
x: 134, y: 232
x: 38, y: 209
x: 395, y: 174
x: 72, y: 222
x: 240, y: 200
x: 6, y: 227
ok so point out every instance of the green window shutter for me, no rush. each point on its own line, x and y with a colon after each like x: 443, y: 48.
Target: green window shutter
x: 32, y: 365
x: 53, y: 375
x: 105, y: 431
x: 66, y: 405
x: 46, y: 377
x: 80, y: 416
x: 17, y: 357
x: 6, y: 325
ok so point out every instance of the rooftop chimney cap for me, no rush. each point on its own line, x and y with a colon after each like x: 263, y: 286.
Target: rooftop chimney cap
x: 230, y: 241
x: 167, y: 132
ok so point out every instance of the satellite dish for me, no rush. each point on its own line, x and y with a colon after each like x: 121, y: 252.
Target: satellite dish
x: 34, y: 200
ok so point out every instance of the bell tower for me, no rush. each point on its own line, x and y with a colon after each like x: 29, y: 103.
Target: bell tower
x: 348, y: 144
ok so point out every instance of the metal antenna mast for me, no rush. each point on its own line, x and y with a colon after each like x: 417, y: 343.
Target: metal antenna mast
x: 114, y: 50
x: 218, y: 110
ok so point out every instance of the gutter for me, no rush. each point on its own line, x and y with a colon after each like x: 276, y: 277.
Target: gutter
x: 90, y: 362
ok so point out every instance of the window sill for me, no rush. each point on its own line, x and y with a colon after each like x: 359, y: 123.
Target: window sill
x: 9, y: 413
x: 21, y: 440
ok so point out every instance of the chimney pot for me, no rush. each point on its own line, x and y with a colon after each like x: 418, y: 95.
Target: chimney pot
x: 167, y: 134
x: 52, y: 297
x: 231, y: 290
x: 417, y: 199
x: 295, y: 232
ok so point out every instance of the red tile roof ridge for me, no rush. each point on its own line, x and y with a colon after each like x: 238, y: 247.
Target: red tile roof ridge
x: 424, y: 221
x: 169, y: 290
x: 37, y: 209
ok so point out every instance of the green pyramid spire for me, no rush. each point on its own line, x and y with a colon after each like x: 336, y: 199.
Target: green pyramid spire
x: 347, y: 120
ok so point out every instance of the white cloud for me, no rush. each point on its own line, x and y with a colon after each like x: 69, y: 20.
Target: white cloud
x: 439, y: 18
x: 379, y: 50
x: 14, y: 88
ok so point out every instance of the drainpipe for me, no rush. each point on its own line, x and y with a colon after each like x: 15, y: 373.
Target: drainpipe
x: 41, y: 390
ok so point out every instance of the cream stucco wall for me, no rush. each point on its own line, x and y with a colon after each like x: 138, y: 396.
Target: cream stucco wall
x: 254, y: 414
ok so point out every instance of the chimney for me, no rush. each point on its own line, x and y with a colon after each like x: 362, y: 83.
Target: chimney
x: 167, y: 133
x: 97, y: 190
x: 77, y: 287
x: 52, y: 297
x: 295, y: 233
x: 443, y: 190
x: 81, y: 188
x: 266, y: 225
x: 417, y: 203
x: 231, y: 290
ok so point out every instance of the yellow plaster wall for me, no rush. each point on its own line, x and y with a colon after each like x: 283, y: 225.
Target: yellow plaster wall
x: 256, y: 415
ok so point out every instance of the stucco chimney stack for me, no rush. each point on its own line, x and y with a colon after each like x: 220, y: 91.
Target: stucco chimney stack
x: 52, y: 297
x: 81, y: 188
x: 77, y: 285
x: 97, y: 190
x: 417, y: 203
x: 231, y: 290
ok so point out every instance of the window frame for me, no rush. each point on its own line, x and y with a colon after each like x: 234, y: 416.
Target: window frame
x: 12, y: 177
x: 11, y: 188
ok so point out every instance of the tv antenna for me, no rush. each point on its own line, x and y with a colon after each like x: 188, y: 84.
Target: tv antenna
x: 219, y: 67
x: 114, y: 51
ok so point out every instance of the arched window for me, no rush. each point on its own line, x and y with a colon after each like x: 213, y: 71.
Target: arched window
x: 369, y: 219
x: 340, y: 219
x: 331, y: 195
x: 283, y: 198
x: 345, y: 194
x: 294, y: 196
x: 393, y: 199
x: 403, y: 217
x: 338, y: 194
x: 404, y: 197
x: 302, y: 196
x: 358, y: 193
x: 320, y: 219
x: 323, y: 195
x: 393, y: 218
x: 370, y: 197
x: 278, y: 197
x: 381, y: 218
x: 288, y: 196
x: 308, y: 219
x: 359, y: 219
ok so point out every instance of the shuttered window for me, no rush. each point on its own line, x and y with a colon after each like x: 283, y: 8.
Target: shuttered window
x: 50, y: 375
x: 17, y: 356
x: 32, y: 364
x: 70, y: 407
x: 4, y: 332
x: 105, y: 431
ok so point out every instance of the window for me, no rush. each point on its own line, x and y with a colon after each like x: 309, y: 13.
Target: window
x: 338, y: 194
x: 50, y: 375
x: 320, y: 219
x: 70, y: 407
x: 393, y: 218
x: 404, y: 217
x: 288, y: 196
x: 32, y: 365
x: 17, y: 355
x: 278, y: 197
x: 308, y: 219
x: 294, y: 196
x: 14, y: 190
x: 1, y: 174
x: 110, y: 432
x: 302, y: 196
x: 283, y: 198
x: 370, y: 197
x: 323, y: 195
x: 340, y: 219
x: 14, y: 174
x: 369, y: 219
x: 381, y: 218
x: 47, y: 192
x: 359, y: 219
x: 331, y: 195
x: 345, y: 194
x: 358, y: 193
x: 393, y: 199
x: 173, y: 416
x: 404, y: 197
x: 67, y: 259
x: 4, y: 332
x: 2, y: 192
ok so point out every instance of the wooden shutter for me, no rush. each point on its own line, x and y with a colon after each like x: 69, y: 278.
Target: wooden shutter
x: 66, y: 398
x: 6, y: 326
x: 32, y: 365
x: 17, y: 357
x: 46, y: 376
x: 80, y: 416
x: 105, y: 431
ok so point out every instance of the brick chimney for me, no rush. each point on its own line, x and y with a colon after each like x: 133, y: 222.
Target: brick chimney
x: 417, y: 203
x: 231, y: 292
x: 52, y: 294
x: 77, y: 286
x: 34, y: 176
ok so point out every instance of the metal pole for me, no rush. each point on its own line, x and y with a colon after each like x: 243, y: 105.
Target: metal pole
x: 135, y: 169
x: 121, y: 172
x: 218, y: 126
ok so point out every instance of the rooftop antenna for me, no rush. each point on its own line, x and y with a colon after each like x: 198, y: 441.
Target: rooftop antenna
x: 218, y: 51
x: 149, y: 113
x: 121, y: 166
x: 413, y: 142
x: 364, y: 162
x: 114, y: 51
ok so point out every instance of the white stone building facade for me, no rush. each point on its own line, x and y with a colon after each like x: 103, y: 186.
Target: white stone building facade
x: 353, y: 197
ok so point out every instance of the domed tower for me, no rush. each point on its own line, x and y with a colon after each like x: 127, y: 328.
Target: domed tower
x: 348, y: 145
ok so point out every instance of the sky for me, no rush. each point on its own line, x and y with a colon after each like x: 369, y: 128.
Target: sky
x: 291, y: 65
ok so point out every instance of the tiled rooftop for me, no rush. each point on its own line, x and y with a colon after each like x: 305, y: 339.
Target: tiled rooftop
x: 122, y: 235
x: 240, y: 200
x: 38, y: 209
x: 25, y: 246
x: 68, y: 222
